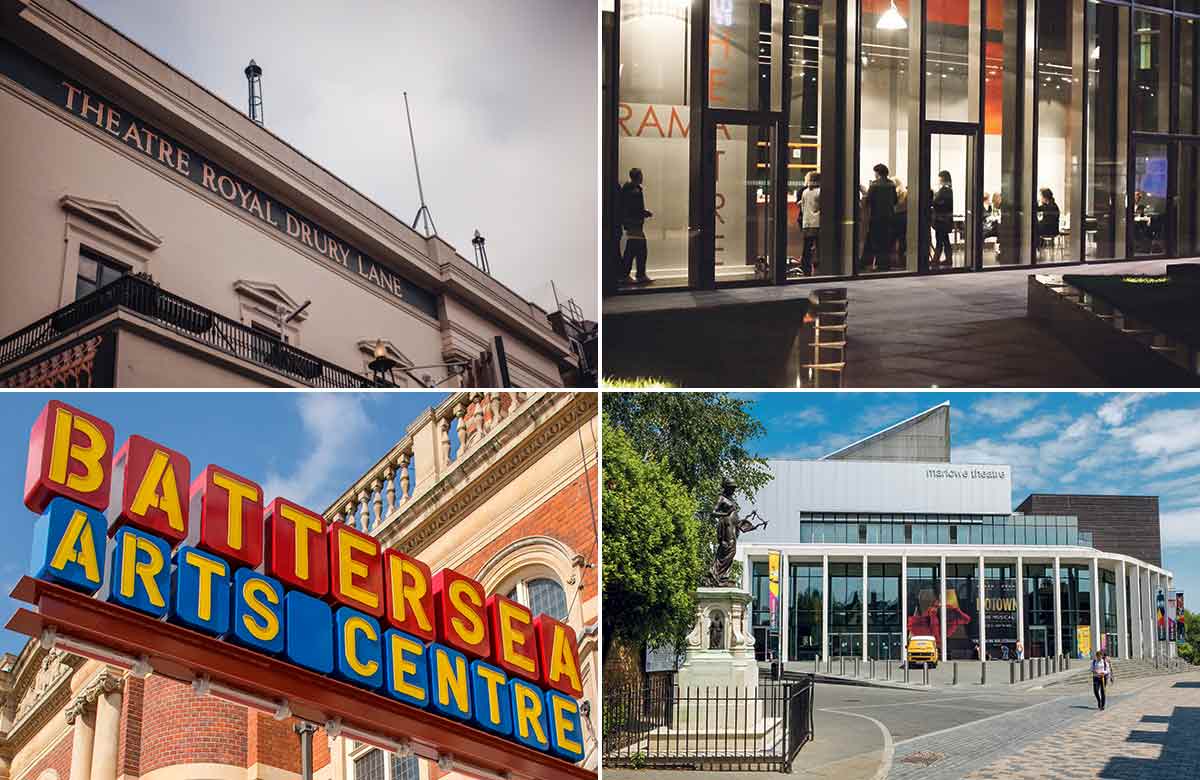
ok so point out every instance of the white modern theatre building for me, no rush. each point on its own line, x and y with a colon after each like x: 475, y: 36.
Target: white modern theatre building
x: 887, y: 537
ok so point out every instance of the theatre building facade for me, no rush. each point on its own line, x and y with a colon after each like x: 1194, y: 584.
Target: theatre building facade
x: 887, y: 538
x: 155, y: 236
x: 499, y: 486
x: 1067, y: 129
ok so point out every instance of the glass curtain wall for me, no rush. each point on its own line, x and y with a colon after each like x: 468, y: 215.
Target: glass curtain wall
x: 1059, y: 90
x: 845, y: 609
x: 805, y: 586
x: 1000, y: 610
x: 884, y: 170
x: 883, y: 611
x: 1002, y: 207
x: 766, y: 641
x: 653, y: 121
x: 962, y: 611
x: 1075, y: 598
x: 1107, y: 54
x: 1108, y: 611
x: 924, y: 600
x: 805, y: 215
x: 1038, y: 594
x: 1151, y: 113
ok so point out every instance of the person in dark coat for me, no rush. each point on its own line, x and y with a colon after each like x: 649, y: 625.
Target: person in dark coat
x: 942, y: 208
x: 1048, y: 218
x: 880, y: 203
x: 633, y: 216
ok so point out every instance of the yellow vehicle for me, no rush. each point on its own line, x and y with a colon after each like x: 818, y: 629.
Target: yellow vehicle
x: 922, y: 649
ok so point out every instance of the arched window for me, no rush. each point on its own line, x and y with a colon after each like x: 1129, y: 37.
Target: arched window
x: 542, y: 596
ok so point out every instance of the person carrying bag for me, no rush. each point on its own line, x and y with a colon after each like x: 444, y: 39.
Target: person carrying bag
x: 1101, y: 677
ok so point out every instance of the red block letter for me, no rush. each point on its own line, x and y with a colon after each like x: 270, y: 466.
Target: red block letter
x: 230, y: 508
x: 355, y: 570
x: 149, y: 484
x: 297, y: 552
x: 514, y: 638
x: 461, y: 617
x: 409, y: 595
x: 70, y: 455
x: 559, y: 655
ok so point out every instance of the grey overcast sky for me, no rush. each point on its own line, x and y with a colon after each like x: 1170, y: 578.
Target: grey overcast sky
x: 503, y: 94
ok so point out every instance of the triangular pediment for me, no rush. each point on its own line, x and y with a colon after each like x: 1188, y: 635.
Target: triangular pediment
x: 114, y: 217
x: 922, y: 438
x: 269, y: 295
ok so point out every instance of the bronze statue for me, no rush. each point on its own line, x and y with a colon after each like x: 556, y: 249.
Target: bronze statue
x: 729, y: 527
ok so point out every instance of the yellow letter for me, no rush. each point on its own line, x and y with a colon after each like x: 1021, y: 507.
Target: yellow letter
x: 350, y: 631
x: 302, y: 525
x: 63, y: 451
x: 562, y: 660
x: 528, y: 710
x: 451, y: 681
x: 510, y: 639
x: 251, y: 591
x: 349, y: 568
x: 558, y: 705
x: 145, y: 571
x: 159, y: 471
x: 467, y: 622
x: 85, y: 556
x: 238, y: 492
x: 494, y: 680
x: 207, y: 568
x: 405, y: 597
x: 402, y: 667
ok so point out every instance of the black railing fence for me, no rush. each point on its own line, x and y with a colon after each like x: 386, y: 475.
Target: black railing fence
x: 659, y: 724
x: 187, y: 319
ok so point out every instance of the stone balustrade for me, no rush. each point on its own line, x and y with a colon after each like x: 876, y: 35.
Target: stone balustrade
x: 431, y: 448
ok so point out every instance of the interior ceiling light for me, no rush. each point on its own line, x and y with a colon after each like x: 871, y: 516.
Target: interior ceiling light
x: 891, y: 19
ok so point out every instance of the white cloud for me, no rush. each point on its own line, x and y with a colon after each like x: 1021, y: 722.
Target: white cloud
x: 335, y: 425
x: 798, y: 418
x: 1164, y: 432
x: 1116, y: 409
x: 1181, y: 527
x: 1037, y: 427
x: 1005, y: 406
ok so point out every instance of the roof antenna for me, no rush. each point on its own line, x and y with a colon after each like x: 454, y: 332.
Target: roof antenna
x: 423, y: 212
x: 254, y: 78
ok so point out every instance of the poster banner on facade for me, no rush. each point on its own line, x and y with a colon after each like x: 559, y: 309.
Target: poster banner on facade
x: 773, y: 587
x: 1083, y: 637
x: 1182, y: 627
x: 1160, y: 615
x: 131, y: 527
x: 1172, y: 617
x: 1000, y: 617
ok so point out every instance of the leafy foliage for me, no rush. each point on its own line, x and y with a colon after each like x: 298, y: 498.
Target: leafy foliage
x: 652, y: 557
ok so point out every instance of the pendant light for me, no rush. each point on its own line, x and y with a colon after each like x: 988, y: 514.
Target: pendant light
x: 891, y: 19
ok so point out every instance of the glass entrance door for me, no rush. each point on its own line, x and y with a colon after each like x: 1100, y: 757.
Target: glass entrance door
x: 1187, y: 200
x: 1037, y: 643
x: 951, y: 206
x: 744, y: 214
x: 1151, y: 182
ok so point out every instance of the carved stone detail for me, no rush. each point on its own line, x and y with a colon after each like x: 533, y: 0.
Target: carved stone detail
x: 104, y: 683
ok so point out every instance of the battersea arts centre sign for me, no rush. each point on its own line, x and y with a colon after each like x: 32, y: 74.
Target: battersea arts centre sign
x: 131, y: 527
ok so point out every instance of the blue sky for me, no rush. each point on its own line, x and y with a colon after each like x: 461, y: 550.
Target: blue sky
x: 1122, y: 443
x: 307, y: 447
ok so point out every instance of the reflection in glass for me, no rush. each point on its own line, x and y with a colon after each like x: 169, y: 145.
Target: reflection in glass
x: 1151, y: 72
x: 745, y: 209
x: 744, y: 39
x: 1002, y: 207
x: 804, y: 148
x: 1149, y: 198
x: 951, y: 220
x: 1187, y: 74
x: 949, y: 68
x: 883, y: 117
x: 845, y: 609
x: 804, y: 616
x: 652, y: 129
x: 1058, y: 96
x: 1188, y: 225
x: 1104, y: 223
x: 883, y: 611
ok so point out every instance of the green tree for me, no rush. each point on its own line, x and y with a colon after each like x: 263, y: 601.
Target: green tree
x: 652, y: 557
x: 702, y: 438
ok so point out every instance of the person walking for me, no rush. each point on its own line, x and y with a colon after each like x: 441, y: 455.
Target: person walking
x: 810, y: 221
x: 942, y: 207
x: 633, y: 220
x: 880, y: 202
x: 1101, y: 677
x: 1020, y: 651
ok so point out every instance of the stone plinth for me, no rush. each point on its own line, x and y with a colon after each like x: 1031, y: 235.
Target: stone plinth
x: 719, y: 658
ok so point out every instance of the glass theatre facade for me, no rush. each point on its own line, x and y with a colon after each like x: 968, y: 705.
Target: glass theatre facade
x: 781, y: 141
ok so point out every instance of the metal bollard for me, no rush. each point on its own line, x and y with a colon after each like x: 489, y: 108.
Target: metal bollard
x: 816, y: 665
x: 1022, y: 662
x: 1012, y: 673
x: 906, y: 665
x: 889, y: 669
x: 842, y: 665
x: 856, y: 666
x: 1039, y: 673
x: 925, y: 672
x: 983, y: 672
x: 1067, y: 663
x: 954, y: 670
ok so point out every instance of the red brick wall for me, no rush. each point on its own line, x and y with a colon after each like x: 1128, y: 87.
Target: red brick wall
x: 58, y: 759
x: 277, y: 744
x: 129, y: 745
x: 180, y: 727
x: 565, y: 516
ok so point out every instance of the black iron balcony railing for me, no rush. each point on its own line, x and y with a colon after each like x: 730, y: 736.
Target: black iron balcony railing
x: 148, y: 300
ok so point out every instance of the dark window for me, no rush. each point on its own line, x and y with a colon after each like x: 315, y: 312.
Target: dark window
x: 406, y: 768
x: 95, y: 271
x: 369, y: 766
x: 547, y: 597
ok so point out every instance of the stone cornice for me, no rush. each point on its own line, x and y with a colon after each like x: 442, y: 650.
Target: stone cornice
x: 474, y: 489
x: 43, y: 685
